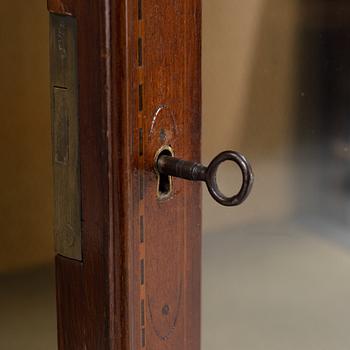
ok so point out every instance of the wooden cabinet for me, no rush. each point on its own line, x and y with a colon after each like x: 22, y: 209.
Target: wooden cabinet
x: 137, y: 282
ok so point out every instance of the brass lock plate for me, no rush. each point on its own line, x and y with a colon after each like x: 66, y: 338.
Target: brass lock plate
x: 65, y: 136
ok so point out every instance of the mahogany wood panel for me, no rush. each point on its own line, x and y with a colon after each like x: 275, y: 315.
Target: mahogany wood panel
x: 138, y: 285
x: 170, y: 78
x: 85, y: 290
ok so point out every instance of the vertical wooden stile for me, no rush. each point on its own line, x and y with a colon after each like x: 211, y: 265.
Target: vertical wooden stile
x: 136, y: 284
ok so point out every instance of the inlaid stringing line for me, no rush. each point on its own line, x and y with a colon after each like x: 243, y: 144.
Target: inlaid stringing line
x: 140, y: 62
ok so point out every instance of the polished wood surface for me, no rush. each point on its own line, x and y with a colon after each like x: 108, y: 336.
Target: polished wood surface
x: 138, y: 285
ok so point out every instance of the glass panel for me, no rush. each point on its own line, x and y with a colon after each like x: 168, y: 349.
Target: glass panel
x: 277, y: 88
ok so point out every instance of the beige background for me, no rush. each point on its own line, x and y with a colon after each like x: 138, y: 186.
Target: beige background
x: 248, y: 55
x: 249, y: 63
x: 25, y: 151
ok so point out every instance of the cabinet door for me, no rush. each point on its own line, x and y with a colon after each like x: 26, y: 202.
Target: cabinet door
x: 125, y: 84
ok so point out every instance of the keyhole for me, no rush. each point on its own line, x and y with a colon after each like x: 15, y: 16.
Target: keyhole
x: 164, y: 181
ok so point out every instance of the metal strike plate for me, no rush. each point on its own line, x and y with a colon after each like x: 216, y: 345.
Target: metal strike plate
x: 65, y: 136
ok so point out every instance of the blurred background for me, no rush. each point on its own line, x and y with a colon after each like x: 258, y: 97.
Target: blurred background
x: 27, y: 303
x: 276, y: 87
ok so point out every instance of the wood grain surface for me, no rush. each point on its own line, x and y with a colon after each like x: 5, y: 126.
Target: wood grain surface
x: 138, y: 285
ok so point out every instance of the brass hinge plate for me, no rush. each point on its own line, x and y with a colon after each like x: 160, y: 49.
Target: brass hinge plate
x: 65, y: 136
